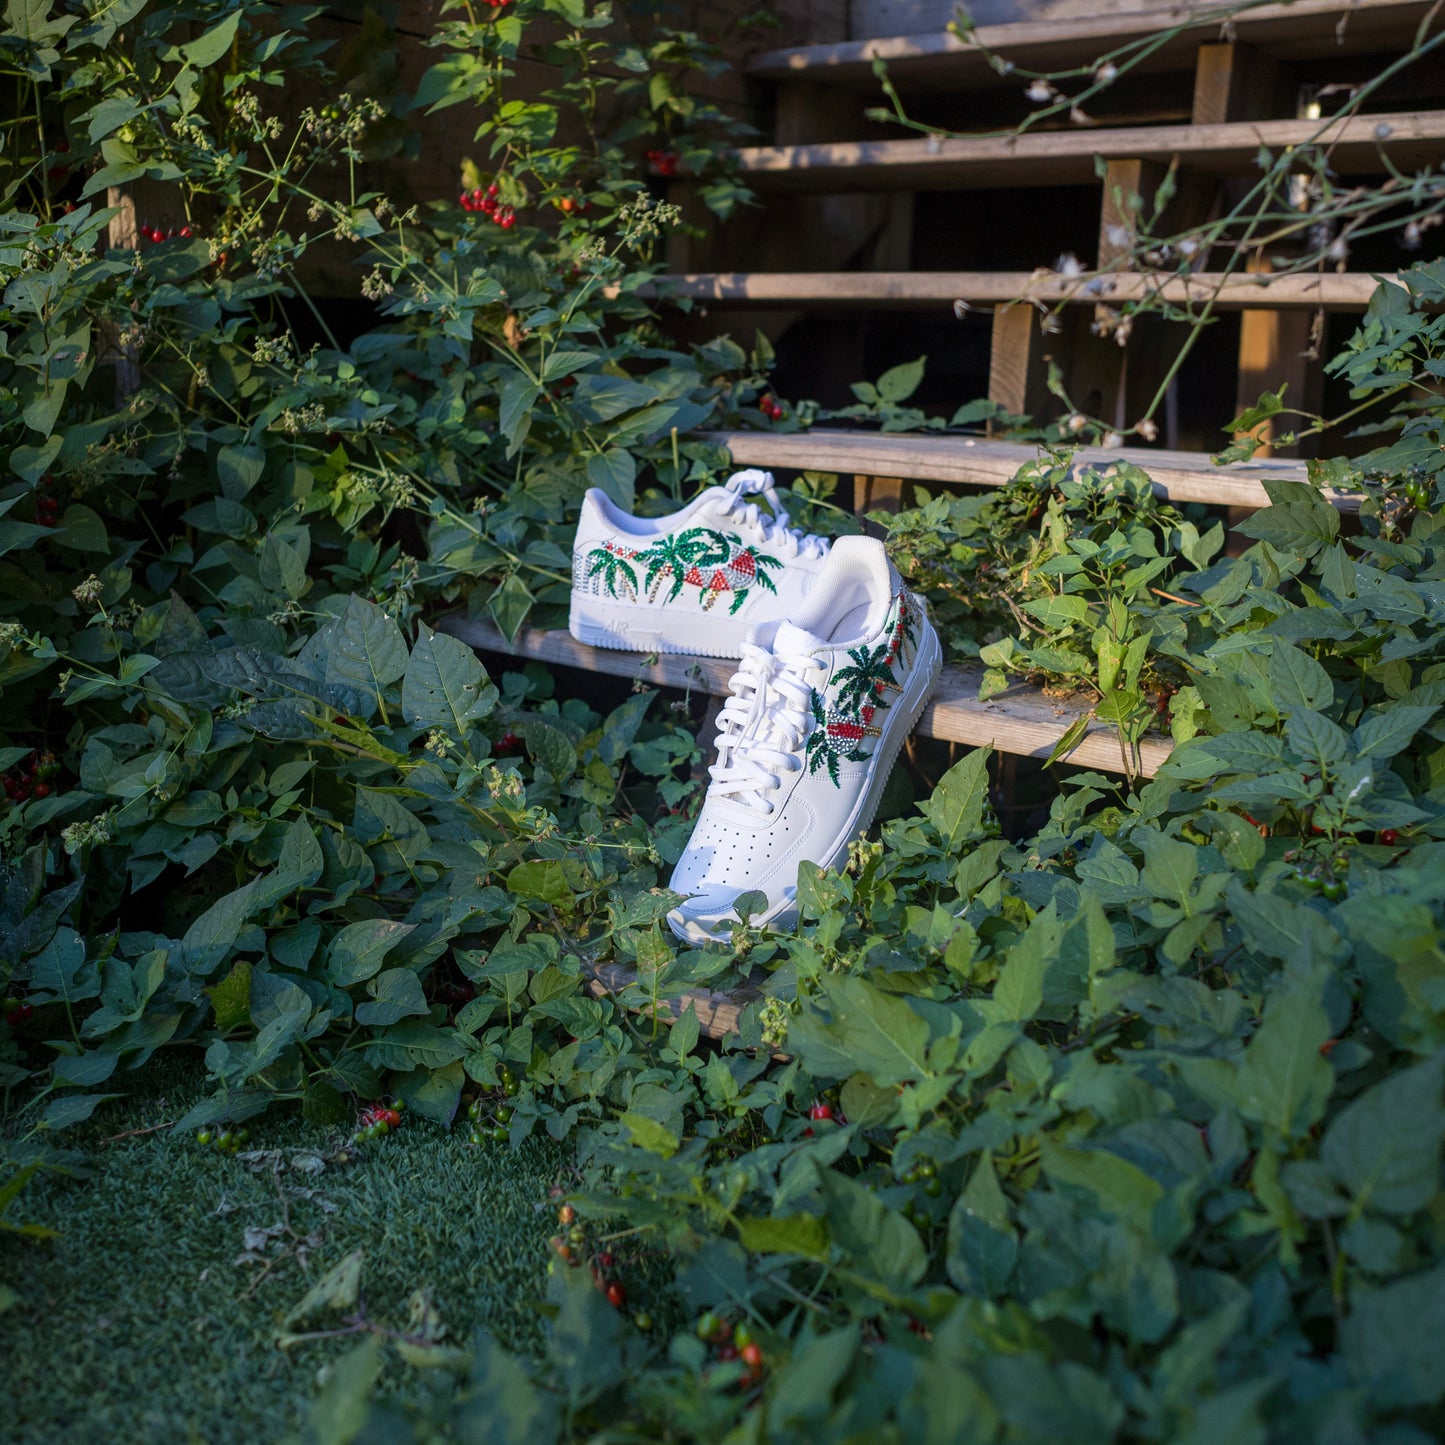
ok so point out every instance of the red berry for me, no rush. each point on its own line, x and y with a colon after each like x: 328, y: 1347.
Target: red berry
x: 727, y: 1352
x: 605, y: 1260
x: 186, y: 232
x: 393, y: 1119
x: 752, y: 1356
x: 464, y: 201
x: 821, y: 1111
x: 616, y: 1295
x: 494, y: 190
x: 1389, y: 837
x: 42, y: 790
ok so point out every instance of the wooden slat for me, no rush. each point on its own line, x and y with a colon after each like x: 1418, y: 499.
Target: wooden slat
x: 961, y: 460
x: 1303, y: 30
x: 717, y: 1009
x: 1411, y: 139
x: 922, y: 290
x: 1022, y: 720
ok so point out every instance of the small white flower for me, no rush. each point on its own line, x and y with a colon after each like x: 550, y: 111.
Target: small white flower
x: 1110, y: 439
x: 1079, y: 116
x: 1040, y: 92
x: 1384, y: 130
x: 961, y: 308
x: 1105, y: 74
x: 1069, y: 265
x: 1078, y: 422
x: 1148, y: 429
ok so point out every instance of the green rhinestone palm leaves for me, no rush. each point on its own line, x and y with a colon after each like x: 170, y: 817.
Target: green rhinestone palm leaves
x: 868, y: 676
x: 612, y: 567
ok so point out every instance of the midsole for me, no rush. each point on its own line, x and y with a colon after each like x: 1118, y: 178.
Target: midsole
x: 651, y: 629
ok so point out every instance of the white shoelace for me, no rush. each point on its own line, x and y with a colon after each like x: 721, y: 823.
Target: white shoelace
x: 791, y: 541
x: 762, y: 726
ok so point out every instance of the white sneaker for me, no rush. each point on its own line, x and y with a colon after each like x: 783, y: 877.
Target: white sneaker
x: 696, y: 581
x: 819, y: 709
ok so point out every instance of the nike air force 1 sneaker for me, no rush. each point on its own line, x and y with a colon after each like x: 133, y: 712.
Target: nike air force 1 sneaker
x: 696, y: 581
x: 818, y: 711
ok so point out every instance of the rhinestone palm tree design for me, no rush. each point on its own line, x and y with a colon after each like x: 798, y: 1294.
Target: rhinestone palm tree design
x: 610, y: 564
x: 837, y: 737
x: 861, y: 688
x: 716, y: 563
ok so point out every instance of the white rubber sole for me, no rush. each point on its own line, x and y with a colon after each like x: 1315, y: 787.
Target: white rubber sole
x: 625, y: 628
x: 901, y: 720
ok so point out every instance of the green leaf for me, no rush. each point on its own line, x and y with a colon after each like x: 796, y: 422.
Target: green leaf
x: 885, y: 1037
x: 1297, y: 680
x: 803, y: 1234
x: 956, y: 806
x: 211, y: 46
x: 898, y: 383
x: 545, y: 881
x: 445, y: 685
x: 336, y: 1291
x: 509, y: 606
x: 599, y: 398
x: 432, y: 1093
x: 364, y: 649
x: 395, y: 994
x: 1391, y: 1339
x: 615, y: 472
x: 357, y: 951
x: 648, y: 1134
x: 209, y: 939
x: 879, y: 1241
x: 1384, y: 1147
x: 1284, y: 1081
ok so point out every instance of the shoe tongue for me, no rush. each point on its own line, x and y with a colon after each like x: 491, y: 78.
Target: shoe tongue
x: 790, y: 638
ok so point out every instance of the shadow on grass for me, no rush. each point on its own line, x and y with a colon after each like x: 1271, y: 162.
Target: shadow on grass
x: 138, y: 1323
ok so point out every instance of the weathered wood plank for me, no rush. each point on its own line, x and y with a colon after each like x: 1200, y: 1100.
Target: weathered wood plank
x: 961, y: 460
x: 1302, y: 30
x: 848, y: 290
x: 717, y: 1009
x: 1022, y: 720
x: 1410, y: 139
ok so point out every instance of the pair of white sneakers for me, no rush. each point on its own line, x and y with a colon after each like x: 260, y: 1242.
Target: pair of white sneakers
x: 838, y: 659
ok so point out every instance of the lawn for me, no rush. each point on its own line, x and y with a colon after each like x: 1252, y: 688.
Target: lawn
x: 143, y: 1320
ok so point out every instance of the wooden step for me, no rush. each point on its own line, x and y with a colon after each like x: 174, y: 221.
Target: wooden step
x: 1411, y: 139
x: 964, y: 460
x: 922, y: 290
x: 1022, y: 721
x: 1302, y: 31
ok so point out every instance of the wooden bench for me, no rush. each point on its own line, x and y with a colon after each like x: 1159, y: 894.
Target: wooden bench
x: 922, y: 290
x: 1409, y: 139
x: 1022, y: 721
x: 1304, y: 30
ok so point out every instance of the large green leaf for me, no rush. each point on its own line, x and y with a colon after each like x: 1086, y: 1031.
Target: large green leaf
x: 445, y: 686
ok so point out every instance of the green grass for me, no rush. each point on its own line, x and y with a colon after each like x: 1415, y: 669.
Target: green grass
x: 137, y: 1324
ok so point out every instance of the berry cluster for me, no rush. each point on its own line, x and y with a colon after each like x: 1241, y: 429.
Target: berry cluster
x: 498, y: 4
x: 571, y: 1248
x: 491, y: 1125
x: 155, y: 235
x: 377, y: 1120
x: 224, y: 1140
x: 489, y: 1121
x: 18, y: 1010
x: 772, y: 408
x: 663, y: 163
x: 487, y: 202
x: 732, y: 1342
x: 31, y: 778
x: 47, y: 508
